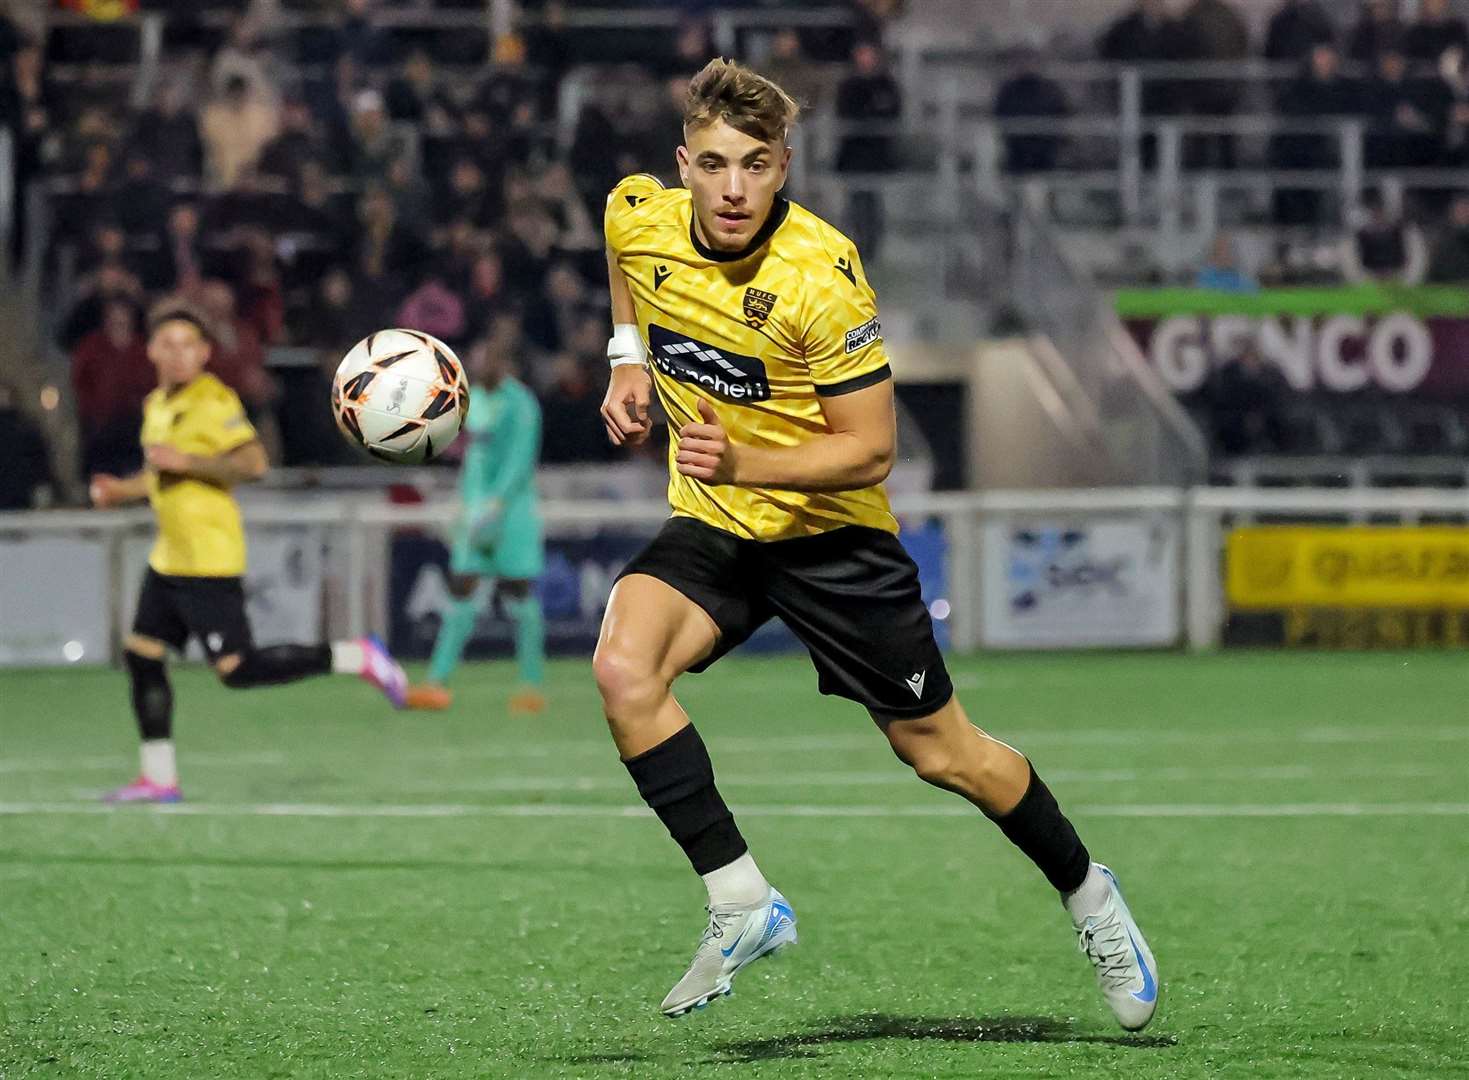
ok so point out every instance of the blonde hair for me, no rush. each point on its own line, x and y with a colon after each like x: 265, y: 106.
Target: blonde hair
x: 743, y: 99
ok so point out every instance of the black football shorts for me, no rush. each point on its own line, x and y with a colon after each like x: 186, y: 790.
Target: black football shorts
x: 850, y: 595
x: 212, y: 609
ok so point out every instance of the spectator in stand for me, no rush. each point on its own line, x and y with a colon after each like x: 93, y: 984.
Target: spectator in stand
x: 510, y: 91
x: 140, y: 203
x: 375, y: 143
x: 1214, y: 33
x: 469, y: 197
x: 875, y: 16
x: 235, y: 128
x: 1028, y: 94
x: 179, y: 266
x: 27, y: 104
x: 238, y: 360
x: 167, y: 134
x: 435, y: 308
x: 297, y: 143
x: 1245, y: 402
x: 26, y: 479
x: 484, y: 293
x: 1436, y: 31
x: 414, y: 97
x: 386, y: 249
x: 1222, y: 273
x: 262, y: 302
x: 529, y: 243
x: 110, y: 278
x: 1410, y: 116
x: 1147, y: 34
x: 110, y: 377
x: 1450, y: 262
x: 1379, y: 30
x: 1296, y: 30
x: 790, y: 68
x: 245, y: 56
x: 570, y: 410
x: 1454, y: 70
x: 335, y: 321
x: 360, y: 37
x: 693, y: 45
x: 1384, y: 248
x: 869, y: 95
x: 1320, y: 93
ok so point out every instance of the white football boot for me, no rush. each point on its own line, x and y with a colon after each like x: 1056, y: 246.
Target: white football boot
x: 736, y: 936
x: 1126, y: 972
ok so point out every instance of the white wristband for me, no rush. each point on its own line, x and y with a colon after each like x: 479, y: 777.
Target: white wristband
x: 626, y: 346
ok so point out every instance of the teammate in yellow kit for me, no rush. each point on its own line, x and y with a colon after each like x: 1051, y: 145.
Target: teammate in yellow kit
x: 198, y: 444
x: 755, y: 323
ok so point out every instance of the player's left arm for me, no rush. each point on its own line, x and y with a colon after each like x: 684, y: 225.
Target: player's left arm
x: 857, y: 452
x: 241, y: 465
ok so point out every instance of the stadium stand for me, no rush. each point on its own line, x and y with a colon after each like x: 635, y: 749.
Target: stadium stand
x: 302, y: 167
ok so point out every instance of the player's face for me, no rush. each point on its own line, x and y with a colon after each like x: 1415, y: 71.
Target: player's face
x: 179, y: 352
x: 734, y: 179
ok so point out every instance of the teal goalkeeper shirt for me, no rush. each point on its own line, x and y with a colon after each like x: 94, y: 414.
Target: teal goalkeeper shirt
x: 504, y: 432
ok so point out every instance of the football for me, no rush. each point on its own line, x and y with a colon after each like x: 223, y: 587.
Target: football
x: 401, y: 395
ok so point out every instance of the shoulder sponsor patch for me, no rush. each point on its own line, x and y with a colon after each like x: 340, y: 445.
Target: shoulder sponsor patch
x: 864, y: 335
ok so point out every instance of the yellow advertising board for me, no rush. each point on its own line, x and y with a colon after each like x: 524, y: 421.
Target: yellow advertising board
x: 1273, y: 567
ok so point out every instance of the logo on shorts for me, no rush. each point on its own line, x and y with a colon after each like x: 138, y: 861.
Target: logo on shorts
x: 214, y: 642
x: 864, y: 335
x: 728, y: 375
x: 758, y: 306
x: 915, y: 683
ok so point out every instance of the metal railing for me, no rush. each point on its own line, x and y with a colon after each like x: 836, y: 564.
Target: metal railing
x: 357, y: 535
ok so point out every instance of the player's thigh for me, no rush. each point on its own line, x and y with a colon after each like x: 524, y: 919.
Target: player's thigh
x: 158, y: 624
x: 683, y: 602
x: 852, y: 597
x: 650, y: 632
x: 214, y: 610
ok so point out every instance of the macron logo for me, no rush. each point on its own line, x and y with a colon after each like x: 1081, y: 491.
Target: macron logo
x: 915, y: 683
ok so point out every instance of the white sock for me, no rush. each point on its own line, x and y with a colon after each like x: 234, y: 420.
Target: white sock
x: 740, y: 884
x: 158, y: 766
x: 1089, y: 897
x: 348, y: 658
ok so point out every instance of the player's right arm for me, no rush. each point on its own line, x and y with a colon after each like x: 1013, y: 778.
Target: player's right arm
x: 630, y: 387
x: 107, y: 490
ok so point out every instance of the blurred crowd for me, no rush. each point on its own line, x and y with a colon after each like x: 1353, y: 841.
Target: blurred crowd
x: 1406, y: 81
x: 308, y: 183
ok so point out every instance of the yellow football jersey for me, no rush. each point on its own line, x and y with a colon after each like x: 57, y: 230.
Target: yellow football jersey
x: 199, y: 529
x: 761, y: 336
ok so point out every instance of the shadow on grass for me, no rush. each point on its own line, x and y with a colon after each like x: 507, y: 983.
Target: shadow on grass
x: 999, y: 1029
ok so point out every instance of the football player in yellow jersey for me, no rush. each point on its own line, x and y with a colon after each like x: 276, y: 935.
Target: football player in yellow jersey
x: 197, y: 445
x: 753, y: 321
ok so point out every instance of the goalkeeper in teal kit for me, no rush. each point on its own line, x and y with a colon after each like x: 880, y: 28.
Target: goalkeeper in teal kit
x: 498, y: 534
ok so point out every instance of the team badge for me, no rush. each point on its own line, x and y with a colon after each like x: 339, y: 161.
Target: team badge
x: 758, y: 306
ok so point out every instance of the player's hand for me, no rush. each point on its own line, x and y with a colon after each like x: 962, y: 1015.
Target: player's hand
x: 103, y: 490
x: 625, y: 408
x: 484, y: 522
x: 166, y: 459
x: 704, y: 450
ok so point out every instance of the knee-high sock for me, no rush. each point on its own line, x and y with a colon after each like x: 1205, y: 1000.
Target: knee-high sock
x: 530, y: 639
x: 676, y: 779
x: 279, y: 664
x: 1038, y: 828
x: 454, y: 631
x: 152, y: 696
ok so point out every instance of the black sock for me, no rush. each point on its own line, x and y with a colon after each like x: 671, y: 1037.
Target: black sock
x: 1037, y: 827
x: 279, y: 664
x: 676, y: 779
x: 152, y: 695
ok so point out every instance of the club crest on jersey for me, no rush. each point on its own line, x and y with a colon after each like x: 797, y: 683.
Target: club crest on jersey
x: 728, y: 375
x: 758, y: 306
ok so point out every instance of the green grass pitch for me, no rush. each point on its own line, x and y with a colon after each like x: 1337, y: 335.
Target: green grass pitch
x: 351, y: 892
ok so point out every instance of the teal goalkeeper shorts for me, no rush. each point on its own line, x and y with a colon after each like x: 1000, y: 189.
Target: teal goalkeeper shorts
x: 515, y: 552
